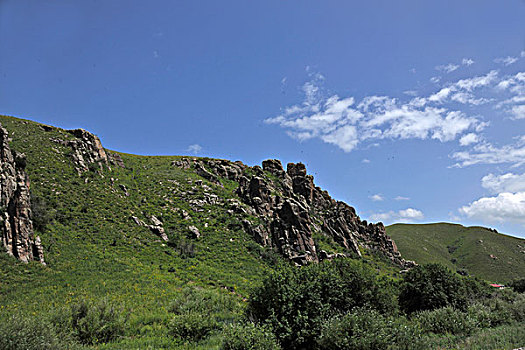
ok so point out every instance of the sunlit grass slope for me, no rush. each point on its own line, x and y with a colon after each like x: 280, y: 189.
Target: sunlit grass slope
x: 477, y: 250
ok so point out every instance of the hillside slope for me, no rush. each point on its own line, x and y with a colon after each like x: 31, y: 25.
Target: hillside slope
x: 476, y: 250
x: 139, y: 228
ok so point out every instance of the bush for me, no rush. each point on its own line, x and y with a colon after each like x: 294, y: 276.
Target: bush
x: 192, y: 326
x: 206, y: 302
x: 296, y: 301
x: 18, y: 332
x: 446, y: 320
x: 368, y: 330
x: 92, y: 322
x: 518, y: 285
x: 248, y: 337
x: 432, y: 286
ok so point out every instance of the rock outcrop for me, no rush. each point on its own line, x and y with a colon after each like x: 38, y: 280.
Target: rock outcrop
x: 88, y: 151
x: 16, y: 223
x: 291, y: 210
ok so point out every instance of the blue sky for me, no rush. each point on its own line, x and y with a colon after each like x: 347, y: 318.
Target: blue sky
x: 411, y: 111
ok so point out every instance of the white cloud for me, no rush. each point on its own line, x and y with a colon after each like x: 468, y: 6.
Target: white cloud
x: 366, y: 161
x: 342, y: 122
x: 517, y: 112
x: 194, y: 148
x: 377, y: 198
x: 406, y: 215
x: 506, y: 61
x: 448, y: 68
x: 468, y: 139
x: 504, y: 183
x: 467, y: 62
x: 435, y: 80
x: 401, y: 198
x: 486, y: 153
x: 477, y: 82
x: 522, y: 54
x: 412, y: 93
x: 505, y: 207
x: 344, y: 137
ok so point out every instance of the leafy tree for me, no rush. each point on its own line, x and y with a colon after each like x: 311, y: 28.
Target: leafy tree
x: 295, y: 302
x: 432, y: 286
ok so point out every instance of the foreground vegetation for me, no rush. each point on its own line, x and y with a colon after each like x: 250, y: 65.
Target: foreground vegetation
x: 342, y: 304
x: 112, y: 284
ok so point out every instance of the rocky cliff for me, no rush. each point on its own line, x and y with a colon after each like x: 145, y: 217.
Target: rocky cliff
x: 16, y: 226
x: 289, y: 211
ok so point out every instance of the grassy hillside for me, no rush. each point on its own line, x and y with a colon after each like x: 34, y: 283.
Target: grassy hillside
x: 105, y: 272
x: 94, y: 249
x: 476, y: 250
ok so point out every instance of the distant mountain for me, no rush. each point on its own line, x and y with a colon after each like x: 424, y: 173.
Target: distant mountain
x: 479, y: 251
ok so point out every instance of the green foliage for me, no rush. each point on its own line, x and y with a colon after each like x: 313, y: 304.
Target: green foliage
x: 192, y: 326
x: 432, y: 286
x: 200, y: 312
x: 18, y: 332
x: 364, y: 329
x: 92, y: 322
x: 446, y: 320
x: 295, y: 302
x: 248, y: 336
x: 518, y: 285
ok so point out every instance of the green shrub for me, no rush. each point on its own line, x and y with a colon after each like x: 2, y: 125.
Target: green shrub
x: 192, y: 326
x: 207, y: 302
x: 432, y: 286
x: 518, y: 285
x: 248, y: 337
x: 446, y: 320
x: 296, y: 301
x: 18, y: 332
x: 368, y: 330
x: 92, y: 322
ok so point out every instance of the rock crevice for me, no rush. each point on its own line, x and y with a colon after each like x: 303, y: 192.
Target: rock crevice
x: 16, y: 223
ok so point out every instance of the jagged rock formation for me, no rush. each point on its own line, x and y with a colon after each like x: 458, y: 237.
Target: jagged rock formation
x: 290, y: 209
x: 16, y: 224
x: 88, y: 151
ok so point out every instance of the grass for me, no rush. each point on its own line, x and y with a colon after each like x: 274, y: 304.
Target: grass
x: 462, y: 248
x: 95, y: 251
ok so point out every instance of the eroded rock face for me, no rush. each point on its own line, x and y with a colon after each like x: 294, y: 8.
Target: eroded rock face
x: 291, y: 209
x: 88, y: 151
x: 16, y: 224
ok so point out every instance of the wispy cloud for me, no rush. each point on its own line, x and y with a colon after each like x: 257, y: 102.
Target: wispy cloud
x: 467, y: 62
x: 345, y: 123
x: 447, y: 68
x: 506, y: 61
x: 377, y: 198
x: 405, y: 215
x: 401, y: 198
x: 508, y: 182
x: 487, y: 153
x: 195, y: 148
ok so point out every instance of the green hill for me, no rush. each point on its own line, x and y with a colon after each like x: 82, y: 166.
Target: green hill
x: 140, y: 230
x: 479, y: 251
x: 165, y: 252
